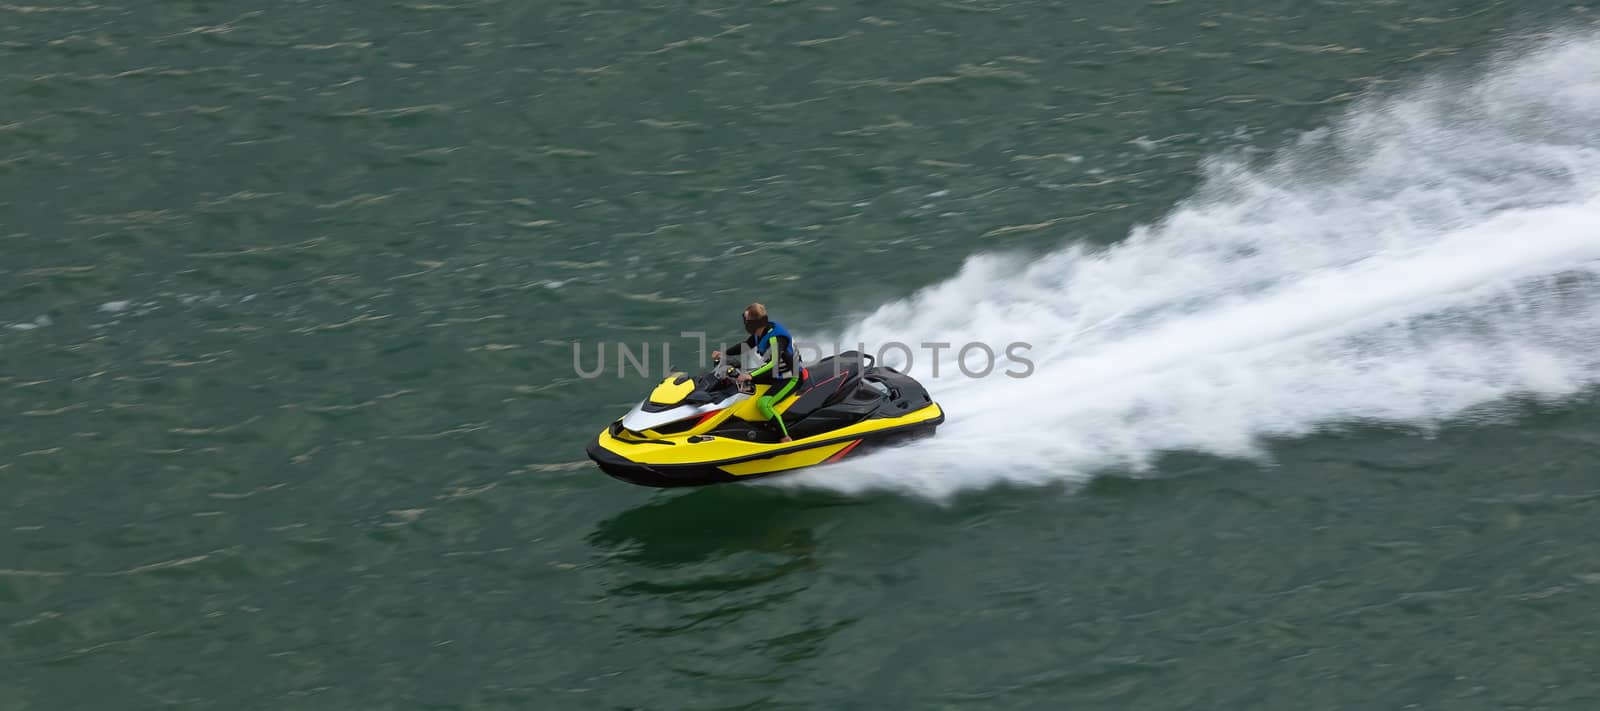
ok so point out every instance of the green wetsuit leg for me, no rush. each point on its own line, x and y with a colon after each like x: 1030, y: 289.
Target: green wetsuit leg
x: 766, y: 402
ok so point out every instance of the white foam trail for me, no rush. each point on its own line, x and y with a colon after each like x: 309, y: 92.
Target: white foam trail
x: 1428, y: 255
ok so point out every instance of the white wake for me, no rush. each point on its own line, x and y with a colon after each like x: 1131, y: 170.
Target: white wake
x: 1425, y: 257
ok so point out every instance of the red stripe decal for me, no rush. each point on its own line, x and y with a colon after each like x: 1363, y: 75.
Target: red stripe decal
x: 843, y: 452
x: 812, y: 386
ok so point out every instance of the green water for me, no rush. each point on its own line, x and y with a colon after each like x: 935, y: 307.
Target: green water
x: 290, y: 419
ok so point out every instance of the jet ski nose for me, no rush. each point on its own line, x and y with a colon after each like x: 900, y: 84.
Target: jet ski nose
x: 631, y: 472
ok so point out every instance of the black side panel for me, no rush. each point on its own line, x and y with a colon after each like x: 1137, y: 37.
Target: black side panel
x: 831, y: 399
x: 735, y: 428
x: 815, y: 393
x: 829, y: 381
x: 875, y: 392
x: 905, y: 394
x: 823, y: 422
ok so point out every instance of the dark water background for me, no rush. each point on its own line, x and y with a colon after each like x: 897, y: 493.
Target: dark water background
x: 289, y: 417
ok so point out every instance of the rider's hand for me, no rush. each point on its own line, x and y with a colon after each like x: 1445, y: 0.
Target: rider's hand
x: 716, y: 356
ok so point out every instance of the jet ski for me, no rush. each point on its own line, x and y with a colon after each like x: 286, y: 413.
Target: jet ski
x: 695, y: 430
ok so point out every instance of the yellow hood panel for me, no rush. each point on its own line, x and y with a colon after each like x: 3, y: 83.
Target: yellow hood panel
x: 672, y: 390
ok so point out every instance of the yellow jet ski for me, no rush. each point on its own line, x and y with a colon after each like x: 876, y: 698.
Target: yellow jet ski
x: 703, y: 429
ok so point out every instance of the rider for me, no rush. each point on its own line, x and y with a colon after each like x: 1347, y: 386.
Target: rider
x: 782, y: 369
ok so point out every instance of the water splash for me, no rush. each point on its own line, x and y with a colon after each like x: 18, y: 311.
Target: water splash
x: 1424, y: 257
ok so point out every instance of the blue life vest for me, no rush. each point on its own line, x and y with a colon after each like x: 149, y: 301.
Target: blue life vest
x: 776, y: 329
x: 785, y: 368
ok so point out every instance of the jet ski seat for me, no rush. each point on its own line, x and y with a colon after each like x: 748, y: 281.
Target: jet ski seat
x: 831, y: 380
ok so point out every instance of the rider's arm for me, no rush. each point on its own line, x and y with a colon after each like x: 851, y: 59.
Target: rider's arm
x: 731, y: 355
x: 772, y: 347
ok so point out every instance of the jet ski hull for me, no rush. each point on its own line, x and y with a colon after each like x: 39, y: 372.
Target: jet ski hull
x: 610, y: 453
x: 694, y: 433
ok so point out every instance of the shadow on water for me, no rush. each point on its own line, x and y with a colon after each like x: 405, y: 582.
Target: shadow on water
x: 714, y: 522
x: 718, y: 560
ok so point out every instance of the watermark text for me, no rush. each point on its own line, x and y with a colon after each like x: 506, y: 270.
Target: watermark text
x: 973, y: 359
